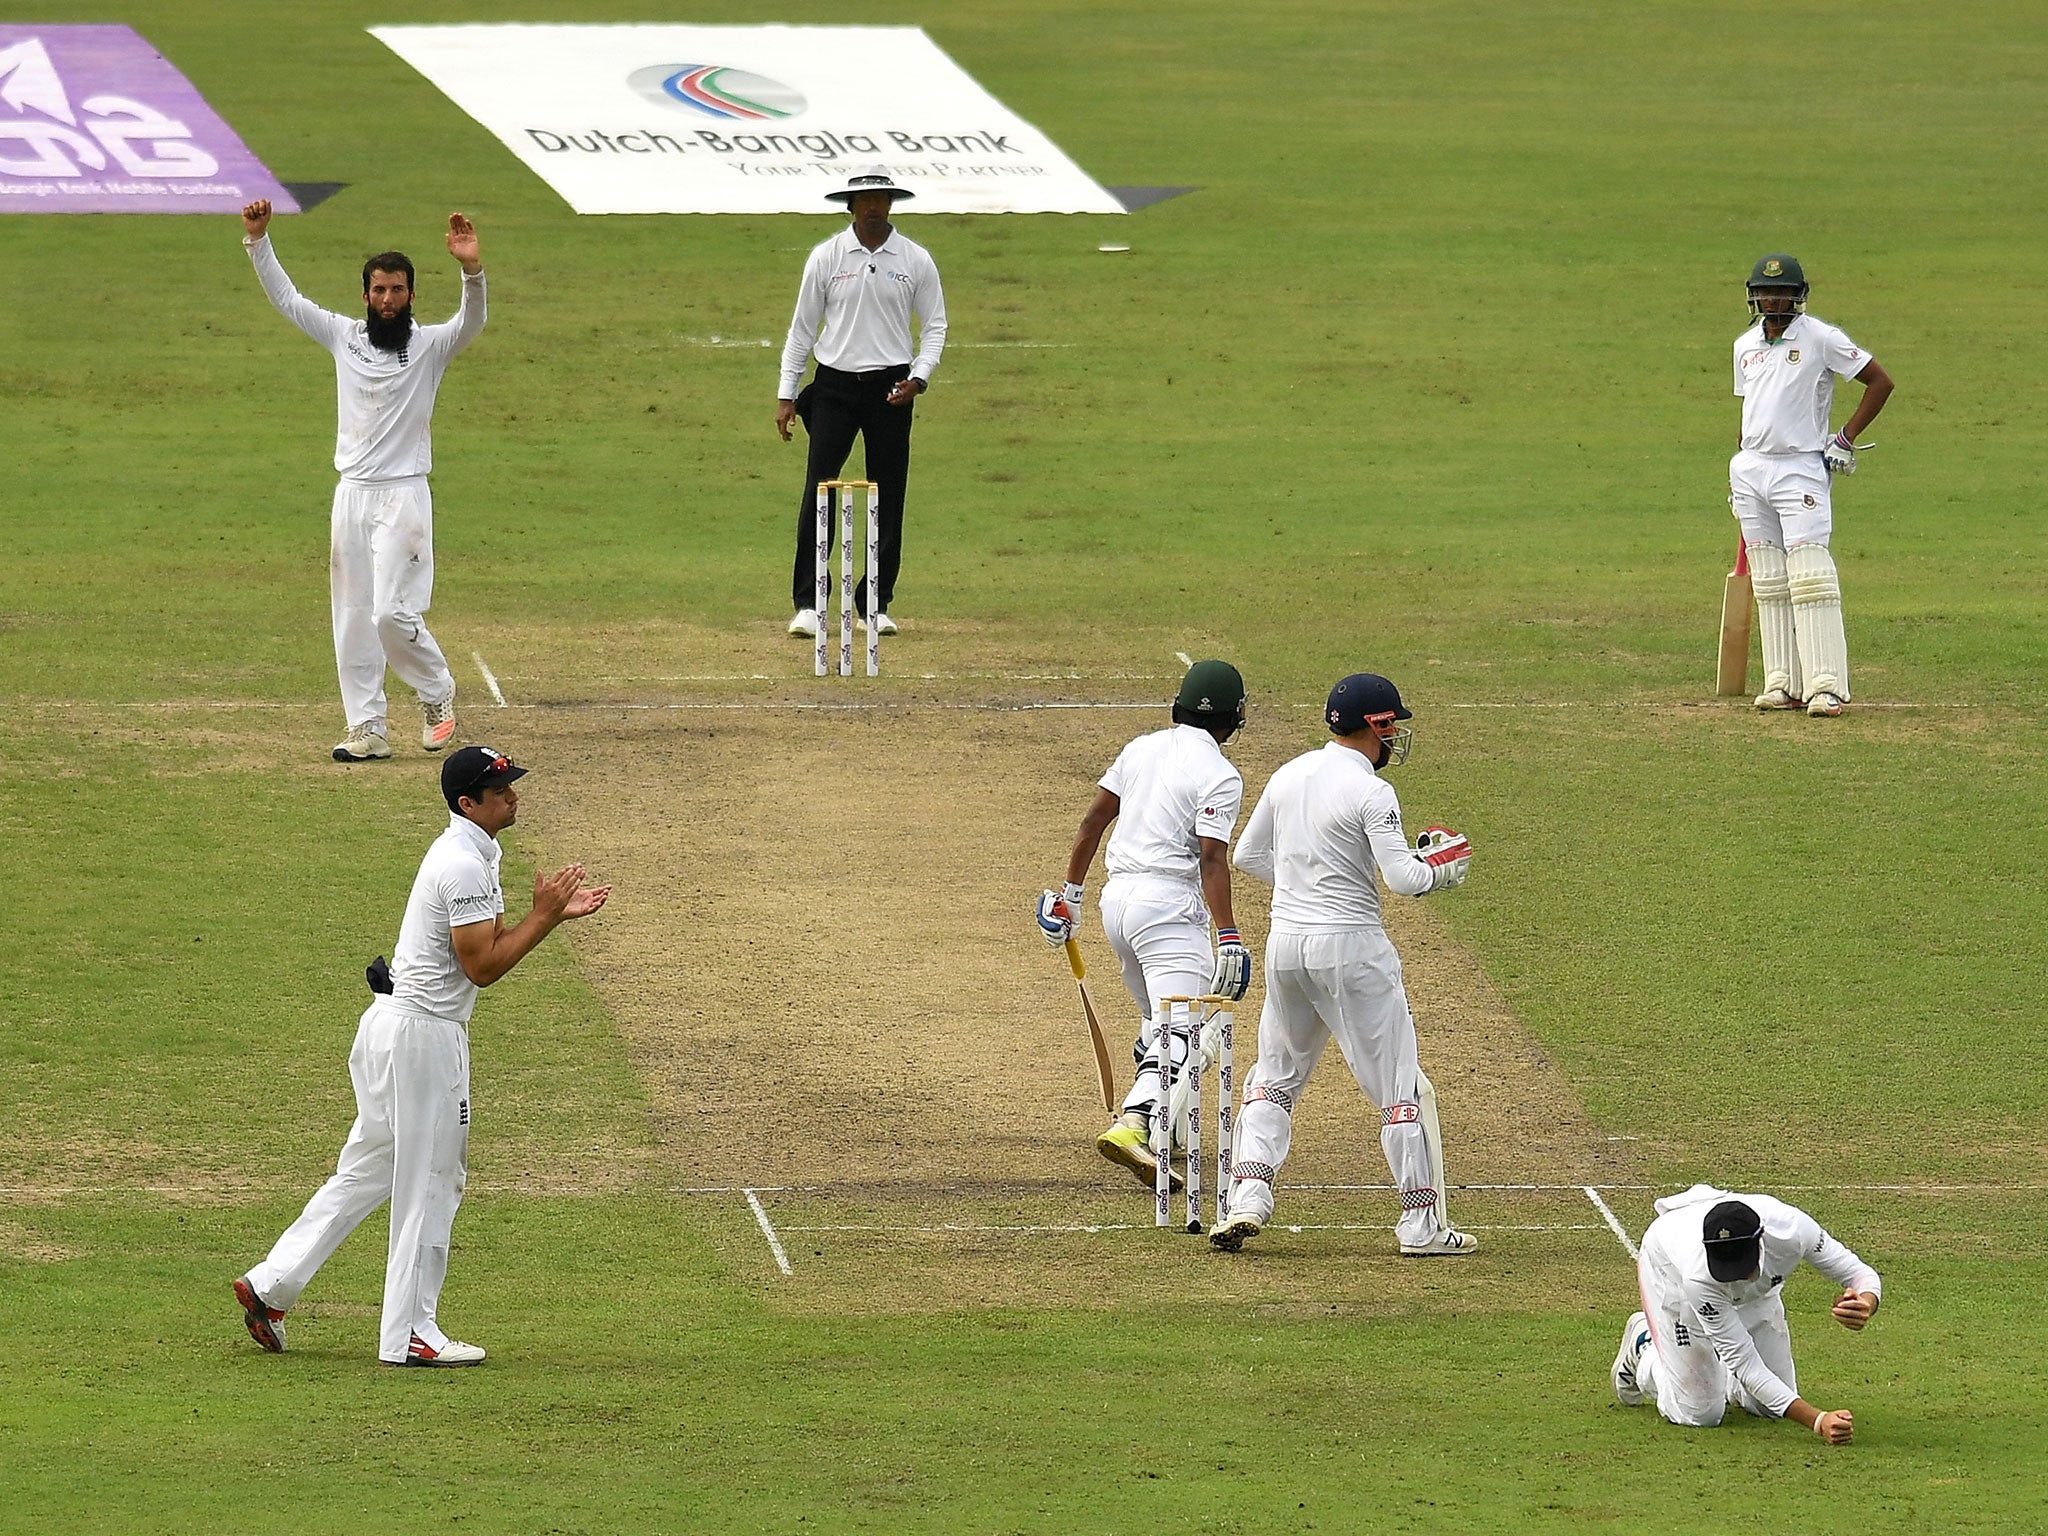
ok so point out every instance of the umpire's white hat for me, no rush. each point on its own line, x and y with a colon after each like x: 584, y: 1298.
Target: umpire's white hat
x: 873, y: 179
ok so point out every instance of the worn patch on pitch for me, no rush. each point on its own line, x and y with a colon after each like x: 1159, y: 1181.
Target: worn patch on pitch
x: 821, y: 953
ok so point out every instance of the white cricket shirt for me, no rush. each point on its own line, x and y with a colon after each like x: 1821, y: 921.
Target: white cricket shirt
x: 864, y: 300
x: 457, y: 885
x: 1325, y: 823
x: 1173, y: 788
x: 384, y: 401
x: 1787, y: 385
x: 1675, y: 1258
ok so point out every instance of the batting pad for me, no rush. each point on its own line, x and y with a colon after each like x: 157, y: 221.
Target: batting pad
x: 1774, y: 618
x: 1817, y: 617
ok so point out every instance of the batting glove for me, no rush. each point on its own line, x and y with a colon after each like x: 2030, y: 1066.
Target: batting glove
x: 1233, y: 965
x: 1059, y: 913
x: 1840, y: 455
x: 1448, y: 855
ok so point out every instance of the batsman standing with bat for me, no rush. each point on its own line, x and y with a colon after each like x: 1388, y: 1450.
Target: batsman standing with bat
x: 410, y: 1066
x: 1174, y: 798
x: 1712, y: 1331
x: 1786, y: 365
x: 1326, y: 828
x: 387, y: 371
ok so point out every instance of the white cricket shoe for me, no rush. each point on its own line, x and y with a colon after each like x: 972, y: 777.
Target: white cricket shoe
x: 805, y: 623
x: 884, y: 625
x: 362, y: 743
x: 439, y: 729
x: 1635, y: 1338
x: 1231, y: 1233
x: 1778, y: 698
x: 454, y: 1352
x: 1823, y: 706
x: 1446, y: 1242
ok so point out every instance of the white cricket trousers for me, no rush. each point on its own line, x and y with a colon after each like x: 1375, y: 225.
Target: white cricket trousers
x: 1159, y: 932
x: 380, y: 584
x: 1683, y: 1373
x: 409, y: 1145
x: 1344, y: 986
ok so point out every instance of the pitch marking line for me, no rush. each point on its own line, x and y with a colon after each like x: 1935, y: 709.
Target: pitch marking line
x: 1183, y: 658
x: 768, y: 1231
x: 490, y: 682
x: 1606, y: 1215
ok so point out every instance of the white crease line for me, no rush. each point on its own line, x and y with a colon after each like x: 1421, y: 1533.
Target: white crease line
x: 1032, y: 1229
x: 768, y: 1231
x: 1606, y: 1215
x: 490, y: 682
x: 1183, y: 658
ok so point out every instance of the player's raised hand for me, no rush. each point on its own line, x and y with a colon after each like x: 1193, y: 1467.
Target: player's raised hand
x: 1854, y: 1309
x: 256, y: 217
x: 1837, y: 1426
x: 462, y: 243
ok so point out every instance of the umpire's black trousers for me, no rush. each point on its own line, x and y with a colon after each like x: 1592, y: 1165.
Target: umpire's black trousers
x: 840, y: 406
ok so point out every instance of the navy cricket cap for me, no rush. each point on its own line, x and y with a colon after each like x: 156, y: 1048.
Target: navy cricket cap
x: 1734, y: 1235
x: 472, y: 770
x: 1359, y: 697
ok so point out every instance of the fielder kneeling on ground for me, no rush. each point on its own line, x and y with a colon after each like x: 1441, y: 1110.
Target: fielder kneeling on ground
x: 1712, y: 1330
x: 1323, y: 832
x: 410, y: 1067
x: 1174, y: 798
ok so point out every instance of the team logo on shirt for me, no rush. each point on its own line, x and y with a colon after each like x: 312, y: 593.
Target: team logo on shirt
x: 1792, y: 356
x: 1808, y: 499
x: 718, y: 90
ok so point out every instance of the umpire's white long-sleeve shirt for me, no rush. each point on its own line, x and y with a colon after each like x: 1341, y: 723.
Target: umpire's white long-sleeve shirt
x: 1325, y: 828
x: 863, y: 301
x: 384, y: 401
x: 1674, y: 1265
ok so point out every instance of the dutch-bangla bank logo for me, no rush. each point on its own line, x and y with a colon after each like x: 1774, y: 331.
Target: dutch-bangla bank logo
x: 717, y: 90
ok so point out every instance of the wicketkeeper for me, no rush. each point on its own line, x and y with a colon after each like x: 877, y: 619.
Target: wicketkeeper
x: 1327, y: 826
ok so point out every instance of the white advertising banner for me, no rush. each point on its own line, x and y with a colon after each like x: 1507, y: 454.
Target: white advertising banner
x: 693, y: 119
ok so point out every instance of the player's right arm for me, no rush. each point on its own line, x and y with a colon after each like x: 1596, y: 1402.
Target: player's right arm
x: 1254, y: 853
x: 1404, y: 870
x: 322, y: 326
x: 804, y: 326
x: 486, y: 951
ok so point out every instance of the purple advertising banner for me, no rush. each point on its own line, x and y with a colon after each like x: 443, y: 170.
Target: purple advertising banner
x: 94, y: 120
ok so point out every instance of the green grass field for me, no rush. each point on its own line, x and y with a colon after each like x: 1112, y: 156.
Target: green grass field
x: 1430, y: 376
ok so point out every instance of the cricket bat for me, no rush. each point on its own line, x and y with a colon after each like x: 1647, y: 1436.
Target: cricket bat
x: 1736, y: 605
x: 1106, y: 1078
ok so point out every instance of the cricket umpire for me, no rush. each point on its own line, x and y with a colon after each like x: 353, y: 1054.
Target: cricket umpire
x: 854, y: 309
x: 410, y: 1066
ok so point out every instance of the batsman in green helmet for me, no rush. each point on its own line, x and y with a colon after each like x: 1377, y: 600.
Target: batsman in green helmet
x: 1174, y: 799
x: 1786, y: 365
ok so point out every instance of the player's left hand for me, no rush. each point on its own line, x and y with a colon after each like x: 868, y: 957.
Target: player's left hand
x: 1233, y: 965
x: 462, y: 243
x: 1059, y: 914
x: 1448, y: 855
x: 1854, y: 1309
x: 1840, y: 455
x: 903, y: 391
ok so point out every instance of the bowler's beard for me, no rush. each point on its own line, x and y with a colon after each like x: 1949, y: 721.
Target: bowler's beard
x: 391, y: 335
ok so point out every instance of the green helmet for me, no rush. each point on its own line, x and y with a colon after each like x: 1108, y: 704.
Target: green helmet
x: 1776, y: 273
x: 1212, y: 697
